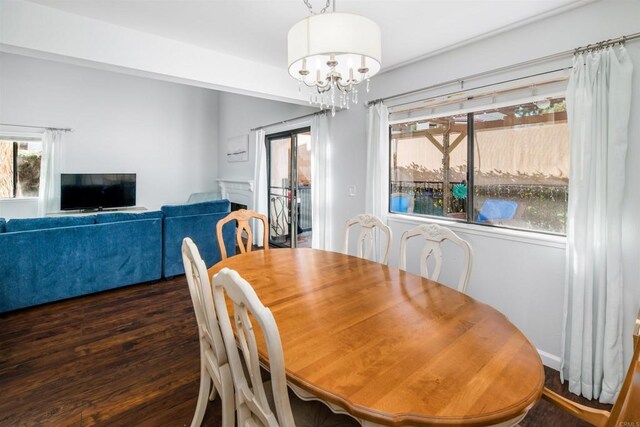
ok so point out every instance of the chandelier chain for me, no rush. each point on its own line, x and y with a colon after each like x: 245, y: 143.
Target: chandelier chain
x: 324, y: 9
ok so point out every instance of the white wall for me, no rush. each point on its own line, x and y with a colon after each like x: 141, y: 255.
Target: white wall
x: 166, y: 133
x: 35, y: 30
x: 520, y: 276
x: 238, y: 115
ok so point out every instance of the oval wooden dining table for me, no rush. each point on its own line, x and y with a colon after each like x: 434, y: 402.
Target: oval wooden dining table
x: 389, y: 347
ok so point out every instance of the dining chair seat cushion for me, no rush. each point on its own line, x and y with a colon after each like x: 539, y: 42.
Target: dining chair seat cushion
x: 311, y: 413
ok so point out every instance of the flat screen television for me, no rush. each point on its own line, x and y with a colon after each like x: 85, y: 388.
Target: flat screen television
x: 97, y: 191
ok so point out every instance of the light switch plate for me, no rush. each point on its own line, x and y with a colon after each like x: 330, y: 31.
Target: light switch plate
x: 352, y: 190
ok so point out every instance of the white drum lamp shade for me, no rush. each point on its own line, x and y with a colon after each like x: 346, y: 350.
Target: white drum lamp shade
x: 353, y: 40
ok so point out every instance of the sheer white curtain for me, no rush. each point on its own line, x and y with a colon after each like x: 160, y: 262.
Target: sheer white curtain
x: 320, y: 182
x: 598, y: 104
x: 260, y: 185
x: 377, y: 194
x: 49, y: 193
x: 377, y: 187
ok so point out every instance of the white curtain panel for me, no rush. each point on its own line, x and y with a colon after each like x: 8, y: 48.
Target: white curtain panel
x: 260, y: 186
x: 377, y: 186
x: 49, y: 192
x: 598, y: 105
x: 320, y: 182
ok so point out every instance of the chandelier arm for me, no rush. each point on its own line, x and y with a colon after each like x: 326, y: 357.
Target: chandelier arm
x: 352, y: 82
x: 313, y: 84
x: 323, y: 87
x: 345, y: 87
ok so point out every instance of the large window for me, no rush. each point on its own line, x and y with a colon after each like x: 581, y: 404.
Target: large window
x: 20, y: 167
x: 520, y: 164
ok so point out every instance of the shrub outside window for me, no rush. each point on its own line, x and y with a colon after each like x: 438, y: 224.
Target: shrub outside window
x: 520, y: 164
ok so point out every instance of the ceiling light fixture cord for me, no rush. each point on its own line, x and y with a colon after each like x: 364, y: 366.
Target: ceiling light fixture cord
x: 324, y: 9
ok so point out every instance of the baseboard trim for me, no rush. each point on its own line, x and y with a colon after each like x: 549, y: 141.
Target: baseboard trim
x: 550, y: 360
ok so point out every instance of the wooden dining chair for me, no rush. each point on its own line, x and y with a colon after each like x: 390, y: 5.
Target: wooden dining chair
x: 242, y: 218
x: 368, y: 223
x: 434, y: 235
x: 214, y: 367
x: 626, y: 410
x: 255, y: 400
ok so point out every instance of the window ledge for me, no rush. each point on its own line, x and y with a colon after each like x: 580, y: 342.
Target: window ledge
x: 19, y: 199
x: 528, y: 237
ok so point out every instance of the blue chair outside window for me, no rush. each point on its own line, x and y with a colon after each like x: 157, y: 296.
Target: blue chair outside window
x: 400, y: 203
x: 493, y: 210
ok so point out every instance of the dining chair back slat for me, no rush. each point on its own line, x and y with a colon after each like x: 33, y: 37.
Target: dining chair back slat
x: 242, y: 217
x: 368, y: 224
x: 434, y: 236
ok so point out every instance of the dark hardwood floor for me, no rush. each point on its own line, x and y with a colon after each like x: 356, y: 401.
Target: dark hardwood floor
x: 124, y: 357
x: 127, y: 357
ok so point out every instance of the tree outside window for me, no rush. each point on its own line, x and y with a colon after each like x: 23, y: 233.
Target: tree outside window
x: 20, y: 167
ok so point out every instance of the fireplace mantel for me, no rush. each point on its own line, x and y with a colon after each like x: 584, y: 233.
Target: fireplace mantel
x: 237, y: 191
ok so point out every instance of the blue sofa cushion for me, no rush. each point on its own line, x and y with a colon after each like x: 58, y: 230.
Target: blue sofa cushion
x: 27, y: 224
x: 197, y: 208
x: 492, y: 210
x: 117, y: 217
x: 2, y: 225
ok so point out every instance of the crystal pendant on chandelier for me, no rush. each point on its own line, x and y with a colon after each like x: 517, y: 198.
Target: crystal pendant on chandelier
x: 332, y: 53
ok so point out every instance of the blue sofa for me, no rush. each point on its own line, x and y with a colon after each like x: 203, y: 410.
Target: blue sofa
x: 49, y: 259
x: 198, y: 221
x: 54, y: 258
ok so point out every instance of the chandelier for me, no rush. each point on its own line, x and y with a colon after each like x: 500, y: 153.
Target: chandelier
x: 333, y: 53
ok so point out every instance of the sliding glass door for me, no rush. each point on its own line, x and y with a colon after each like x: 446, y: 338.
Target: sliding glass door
x: 289, y: 160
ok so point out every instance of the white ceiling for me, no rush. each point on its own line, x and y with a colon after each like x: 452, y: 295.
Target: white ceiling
x: 257, y: 29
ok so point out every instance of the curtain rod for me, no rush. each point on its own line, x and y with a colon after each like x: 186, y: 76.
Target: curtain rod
x: 38, y: 127
x: 588, y: 48
x: 293, y: 119
x: 461, y: 91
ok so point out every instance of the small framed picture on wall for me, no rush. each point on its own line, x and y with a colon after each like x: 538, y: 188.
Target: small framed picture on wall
x: 238, y: 149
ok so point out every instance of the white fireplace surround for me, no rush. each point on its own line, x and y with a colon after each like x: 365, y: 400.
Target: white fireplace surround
x: 237, y: 191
